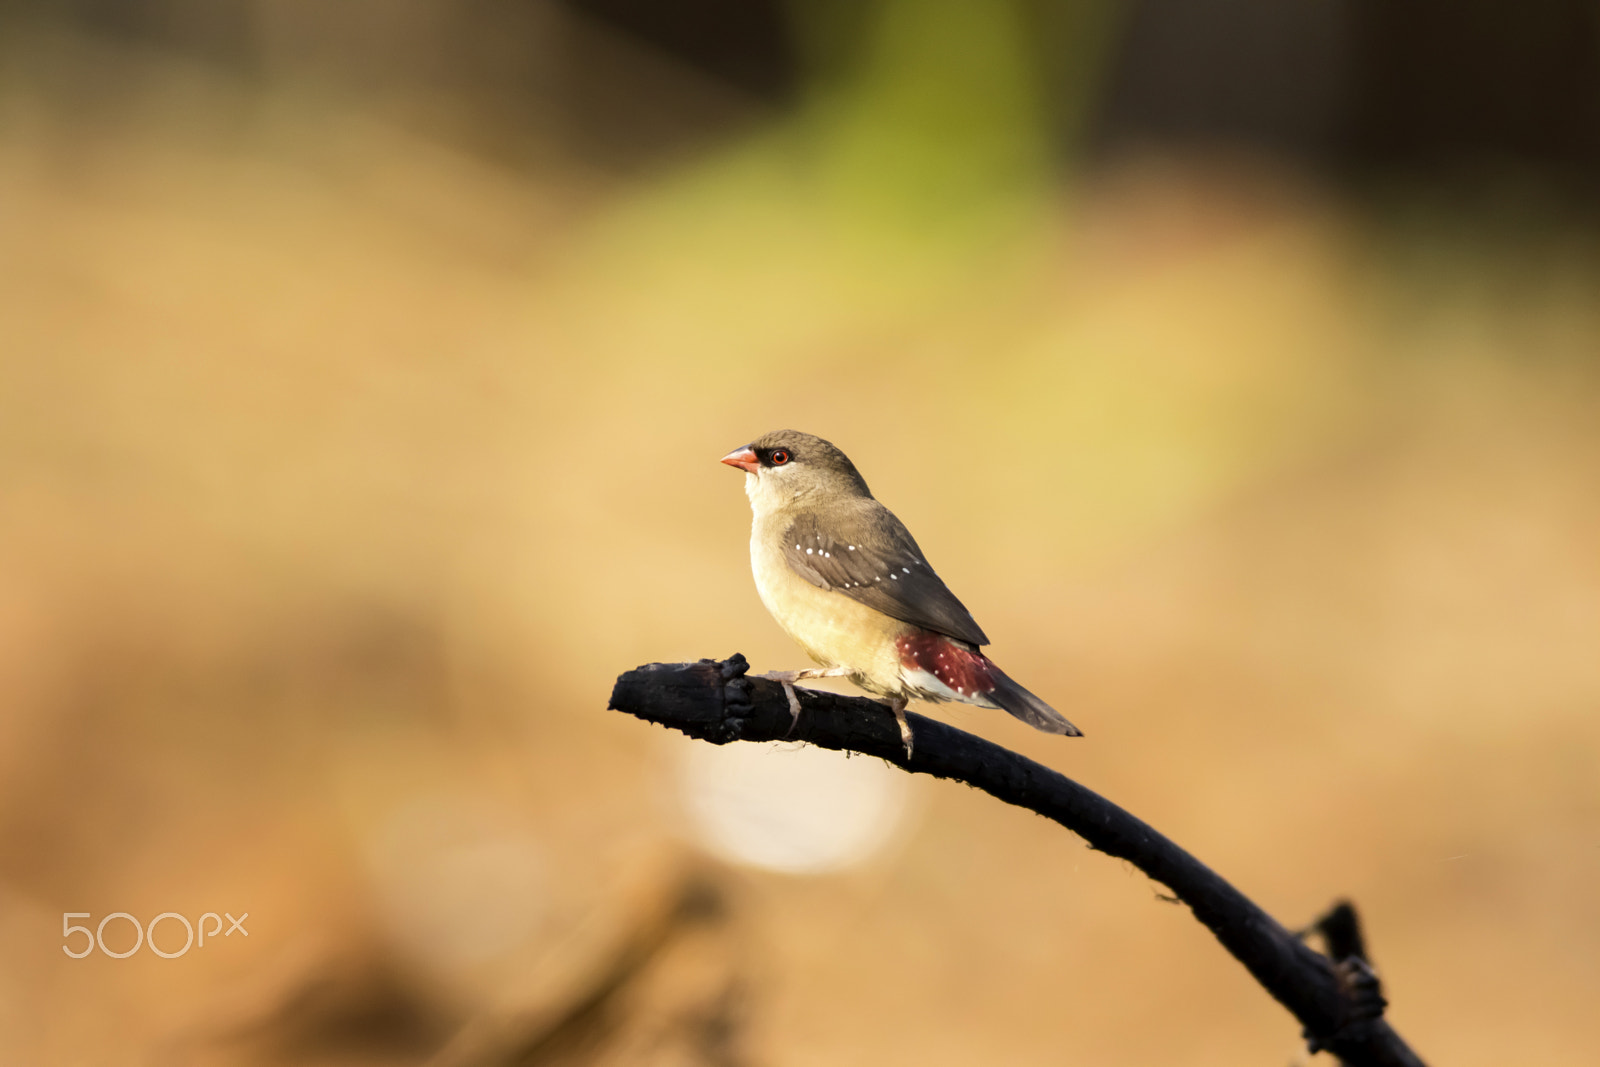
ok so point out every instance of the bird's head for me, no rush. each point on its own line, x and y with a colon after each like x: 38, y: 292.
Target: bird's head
x: 787, y: 468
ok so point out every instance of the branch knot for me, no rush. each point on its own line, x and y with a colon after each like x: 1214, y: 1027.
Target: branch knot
x: 736, y: 700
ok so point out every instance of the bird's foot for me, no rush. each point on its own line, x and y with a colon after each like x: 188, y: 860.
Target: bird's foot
x: 898, y: 706
x: 794, y: 705
x: 787, y: 680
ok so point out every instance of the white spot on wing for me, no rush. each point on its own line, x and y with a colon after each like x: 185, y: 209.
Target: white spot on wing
x: 808, y: 551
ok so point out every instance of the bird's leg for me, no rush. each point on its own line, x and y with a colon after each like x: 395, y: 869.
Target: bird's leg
x: 898, y: 706
x: 788, y: 678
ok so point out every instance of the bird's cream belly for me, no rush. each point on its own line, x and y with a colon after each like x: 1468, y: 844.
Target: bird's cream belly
x: 833, y: 629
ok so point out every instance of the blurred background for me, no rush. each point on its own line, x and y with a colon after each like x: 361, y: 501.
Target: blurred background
x: 363, y: 372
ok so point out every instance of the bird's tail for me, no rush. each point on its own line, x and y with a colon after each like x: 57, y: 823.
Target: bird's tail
x: 1027, y: 707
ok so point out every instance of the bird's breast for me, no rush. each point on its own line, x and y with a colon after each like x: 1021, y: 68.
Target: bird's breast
x: 832, y: 628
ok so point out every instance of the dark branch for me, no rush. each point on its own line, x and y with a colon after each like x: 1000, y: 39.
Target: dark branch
x: 715, y: 702
x: 1340, y: 929
x: 1341, y: 933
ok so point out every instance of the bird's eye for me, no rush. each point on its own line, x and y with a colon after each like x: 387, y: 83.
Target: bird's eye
x: 779, y: 458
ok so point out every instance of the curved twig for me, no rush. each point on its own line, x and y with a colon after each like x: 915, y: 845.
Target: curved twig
x: 715, y: 702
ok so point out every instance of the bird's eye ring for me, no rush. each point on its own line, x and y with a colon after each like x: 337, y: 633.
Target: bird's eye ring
x: 779, y: 458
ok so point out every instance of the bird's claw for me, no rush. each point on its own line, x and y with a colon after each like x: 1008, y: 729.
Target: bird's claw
x: 794, y: 706
x: 787, y: 680
x: 899, y: 709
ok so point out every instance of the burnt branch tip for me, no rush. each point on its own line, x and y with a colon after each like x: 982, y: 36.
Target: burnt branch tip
x: 1336, y: 1002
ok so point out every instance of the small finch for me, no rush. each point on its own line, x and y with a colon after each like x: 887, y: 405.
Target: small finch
x: 847, y: 581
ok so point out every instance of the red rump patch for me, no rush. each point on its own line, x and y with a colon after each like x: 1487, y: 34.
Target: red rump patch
x: 959, y: 668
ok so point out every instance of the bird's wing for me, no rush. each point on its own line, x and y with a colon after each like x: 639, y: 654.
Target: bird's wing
x: 868, y: 555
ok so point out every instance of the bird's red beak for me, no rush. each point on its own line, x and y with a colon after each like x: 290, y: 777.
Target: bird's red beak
x: 743, y: 458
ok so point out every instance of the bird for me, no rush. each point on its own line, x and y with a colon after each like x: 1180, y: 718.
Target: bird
x: 847, y: 581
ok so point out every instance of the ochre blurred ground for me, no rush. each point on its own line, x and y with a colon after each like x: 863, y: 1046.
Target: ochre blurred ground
x: 344, y: 470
